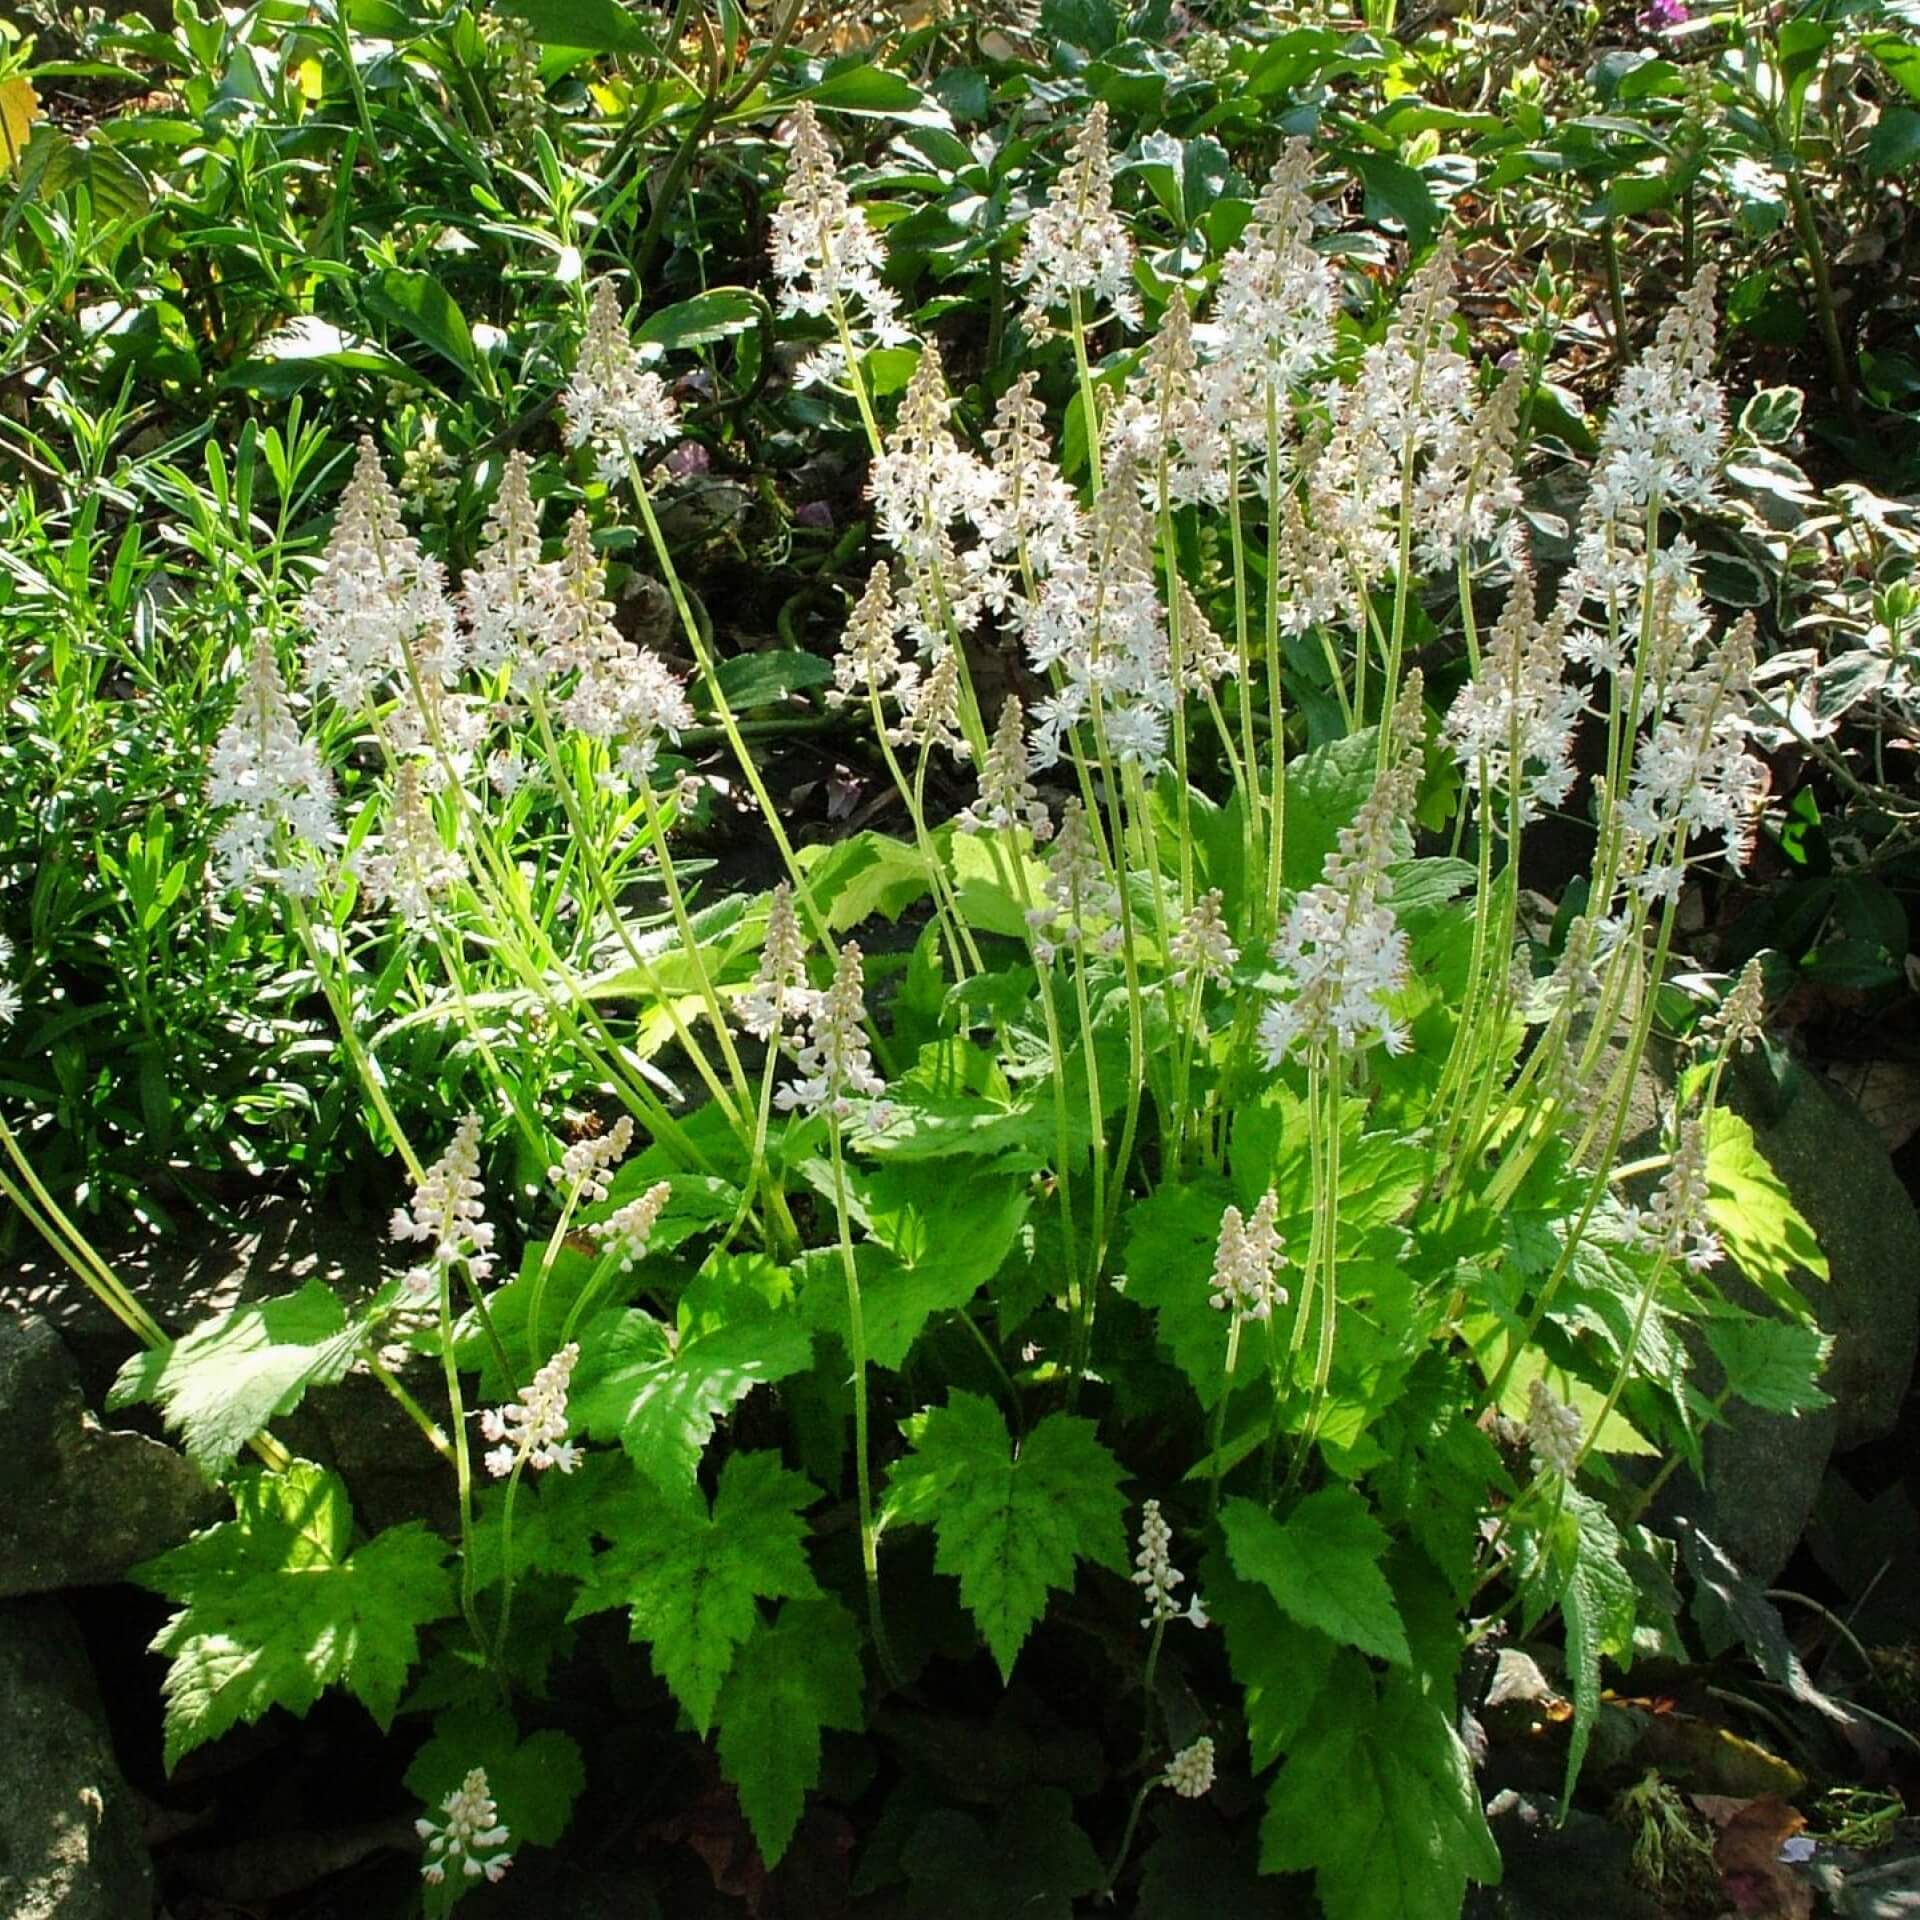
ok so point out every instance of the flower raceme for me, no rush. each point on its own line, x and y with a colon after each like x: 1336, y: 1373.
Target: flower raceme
x: 280, y: 827
x: 533, y: 1428
x: 468, y: 1834
x: 1076, y: 245
x: 448, y: 1214
x: 612, y: 403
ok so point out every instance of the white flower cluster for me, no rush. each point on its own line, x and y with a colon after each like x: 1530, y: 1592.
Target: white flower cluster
x: 827, y: 258
x: 1553, y: 1432
x: 1202, y: 948
x: 9, y: 989
x: 468, y: 1835
x: 833, y: 1059
x: 1076, y: 246
x: 1080, y: 903
x: 1190, y: 1771
x: 586, y: 1167
x: 1008, y: 799
x: 781, y: 980
x: 281, y: 795
x: 1740, y: 1018
x: 414, y: 867
x: 1247, y: 1261
x: 534, y: 1427
x: 1343, y: 953
x: 1156, y: 1576
x: 448, y: 1213
x: 1512, y: 725
x: 377, y: 614
x: 628, y: 1229
x: 1677, y: 1222
x: 1164, y: 411
x: 612, y: 402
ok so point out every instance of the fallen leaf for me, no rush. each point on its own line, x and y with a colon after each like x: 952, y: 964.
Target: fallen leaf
x: 1747, y: 1853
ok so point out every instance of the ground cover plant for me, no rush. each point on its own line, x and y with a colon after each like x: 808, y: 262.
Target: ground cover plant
x: 891, y: 742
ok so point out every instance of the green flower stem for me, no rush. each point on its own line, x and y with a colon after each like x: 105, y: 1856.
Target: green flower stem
x: 1089, y: 407
x: 716, y: 696
x: 1247, y: 769
x: 1234, y: 1320
x: 911, y: 797
x: 506, y: 1557
x: 462, y: 1462
x: 429, y: 1427
x: 1104, y: 1898
x: 857, y: 1343
x: 1276, y: 701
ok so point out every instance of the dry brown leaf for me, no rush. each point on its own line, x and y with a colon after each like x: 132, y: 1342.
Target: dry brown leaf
x: 1747, y: 1853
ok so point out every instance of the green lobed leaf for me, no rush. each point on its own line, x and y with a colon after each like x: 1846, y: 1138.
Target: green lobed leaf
x: 1173, y: 1234
x: 1378, y: 1801
x: 1009, y: 1525
x: 1774, y: 1364
x: 693, y: 1578
x: 226, y: 1380
x: 1322, y: 1566
x: 1760, y: 1227
x: 274, y: 1609
x: 1598, y: 1606
x: 661, y: 1390
x: 792, y: 1681
x: 1281, y: 1666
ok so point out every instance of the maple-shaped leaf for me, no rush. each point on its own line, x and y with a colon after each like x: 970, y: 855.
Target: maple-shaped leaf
x: 1377, y: 1799
x: 227, y: 1379
x: 534, y: 1781
x: 1281, y: 1666
x: 275, y: 1609
x: 792, y: 1680
x: 659, y: 1389
x: 1009, y: 1524
x: 1322, y: 1565
x: 694, y: 1579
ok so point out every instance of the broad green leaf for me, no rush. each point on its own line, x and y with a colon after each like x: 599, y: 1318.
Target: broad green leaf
x: 714, y: 315
x: 1035, y: 1863
x: 593, y: 26
x: 1598, y: 1607
x: 19, y: 109
x: 534, y: 1782
x: 1378, y: 1801
x: 420, y: 304
x: 896, y: 1301
x: 852, y: 880
x: 873, y: 91
x: 275, y: 1609
x: 1173, y: 1235
x: 791, y: 1682
x: 750, y: 680
x: 1281, y: 1666
x: 1324, y: 790
x: 1760, y: 1227
x: 1775, y: 1364
x: 694, y: 1579
x: 1322, y: 1565
x: 660, y: 1390
x: 222, y: 1383
x: 1009, y: 1525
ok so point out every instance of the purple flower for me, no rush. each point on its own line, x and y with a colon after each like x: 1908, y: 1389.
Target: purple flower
x: 687, y: 458
x: 1662, y: 15
x: 814, y: 513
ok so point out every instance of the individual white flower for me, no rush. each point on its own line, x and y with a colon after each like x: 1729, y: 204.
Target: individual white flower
x: 1247, y: 1260
x: 827, y: 258
x: 9, y: 990
x: 1076, y: 246
x: 588, y: 1164
x: 1190, y: 1771
x: 1553, y: 1432
x: 612, y: 402
x: 275, y: 781
x: 1156, y: 1575
x: 628, y: 1229
x: 1677, y: 1223
x: 533, y: 1428
x: 468, y: 1835
x: 448, y: 1212
x: 834, y: 1061
x: 376, y: 615
x: 414, y: 867
x: 1202, y: 946
x: 1008, y: 799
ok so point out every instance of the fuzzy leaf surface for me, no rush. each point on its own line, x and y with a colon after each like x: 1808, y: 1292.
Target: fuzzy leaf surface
x: 1322, y: 1566
x: 1379, y: 1803
x: 791, y: 1682
x: 661, y: 1390
x: 1009, y: 1526
x: 1598, y: 1607
x: 274, y: 1609
x: 222, y: 1383
x: 694, y: 1579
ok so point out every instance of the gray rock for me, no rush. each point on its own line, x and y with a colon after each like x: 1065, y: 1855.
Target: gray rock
x: 1764, y: 1471
x: 70, y: 1840
x: 83, y: 1502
